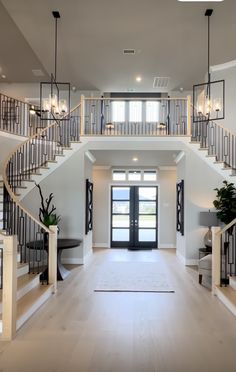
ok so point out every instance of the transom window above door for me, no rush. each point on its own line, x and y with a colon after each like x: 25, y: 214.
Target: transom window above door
x: 134, y: 175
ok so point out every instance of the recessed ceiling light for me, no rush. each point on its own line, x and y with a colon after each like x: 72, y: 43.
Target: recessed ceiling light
x: 3, y: 76
x: 138, y: 79
x: 135, y: 159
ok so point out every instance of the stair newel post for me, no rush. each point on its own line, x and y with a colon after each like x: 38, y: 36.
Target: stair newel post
x: 82, y: 112
x: 216, y: 258
x: 189, y: 121
x: 9, y: 292
x: 52, y: 257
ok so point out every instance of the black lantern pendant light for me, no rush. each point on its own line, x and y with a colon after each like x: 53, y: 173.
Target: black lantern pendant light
x: 54, y: 95
x: 209, y: 98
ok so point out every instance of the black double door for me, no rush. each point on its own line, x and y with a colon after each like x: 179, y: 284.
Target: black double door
x: 134, y: 217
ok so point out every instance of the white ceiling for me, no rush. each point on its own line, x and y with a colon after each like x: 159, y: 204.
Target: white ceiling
x: 17, y: 59
x: 170, y: 37
x: 124, y: 158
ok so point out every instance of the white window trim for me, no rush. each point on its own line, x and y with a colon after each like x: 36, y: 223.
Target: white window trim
x: 141, y: 170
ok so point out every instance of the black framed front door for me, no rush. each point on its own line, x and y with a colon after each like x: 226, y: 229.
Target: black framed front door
x: 134, y: 217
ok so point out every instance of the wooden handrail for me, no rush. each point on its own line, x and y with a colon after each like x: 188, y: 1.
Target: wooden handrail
x: 227, y: 227
x: 135, y: 98
x: 15, y: 99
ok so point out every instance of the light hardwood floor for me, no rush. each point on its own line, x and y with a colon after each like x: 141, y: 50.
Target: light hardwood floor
x: 82, y: 331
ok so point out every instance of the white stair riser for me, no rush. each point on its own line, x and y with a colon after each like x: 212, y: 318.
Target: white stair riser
x: 27, y: 287
x: 38, y: 303
x: 224, y: 299
x: 232, y: 282
x: 22, y: 270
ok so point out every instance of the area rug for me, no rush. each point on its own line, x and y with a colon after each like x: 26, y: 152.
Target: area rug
x: 132, y: 277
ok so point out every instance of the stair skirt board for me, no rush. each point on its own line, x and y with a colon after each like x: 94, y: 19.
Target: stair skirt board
x: 225, y: 295
x: 22, y: 269
x: 26, y: 287
x: 32, y: 308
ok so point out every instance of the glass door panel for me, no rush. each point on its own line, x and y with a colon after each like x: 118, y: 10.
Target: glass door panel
x: 134, y: 217
x: 120, y: 218
x: 146, y: 217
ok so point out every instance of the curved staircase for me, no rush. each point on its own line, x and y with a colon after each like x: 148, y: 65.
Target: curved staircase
x: 46, y: 148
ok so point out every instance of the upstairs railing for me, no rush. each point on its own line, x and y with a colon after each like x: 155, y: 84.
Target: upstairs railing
x: 15, y: 117
x: 219, y: 141
x: 26, y: 161
x: 135, y: 116
x: 224, y: 254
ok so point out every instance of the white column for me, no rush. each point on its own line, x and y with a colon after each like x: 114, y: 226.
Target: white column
x: 216, y: 257
x: 82, y: 113
x: 9, y: 287
x: 52, y: 258
x: 189, y: 121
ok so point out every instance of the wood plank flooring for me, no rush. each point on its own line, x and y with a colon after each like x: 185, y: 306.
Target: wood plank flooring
x: 79, y: 330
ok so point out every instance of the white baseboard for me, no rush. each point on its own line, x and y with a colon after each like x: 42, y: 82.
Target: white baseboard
x: 186, y: 261
x: 101, y: 245
x: 72, y: 261
x: 191, y: 262
x: 88, y: 257
x: 78, y: 261
x: 180, y: 257
x: 163, y: 246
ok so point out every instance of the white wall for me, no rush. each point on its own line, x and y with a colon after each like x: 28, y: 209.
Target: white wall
x: 68, y: 186
x: 166, y: 182
x: 8, y: 143
x: 88, y: 239
x: 167, y: 204
x: 101, y: 179
x: 181, y: 239
x: 228, y: 74
x: 200, y: 182
x: 31, y: 90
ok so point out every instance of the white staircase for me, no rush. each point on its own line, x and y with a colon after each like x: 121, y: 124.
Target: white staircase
x: 48, y: 168
x: 225, y: 171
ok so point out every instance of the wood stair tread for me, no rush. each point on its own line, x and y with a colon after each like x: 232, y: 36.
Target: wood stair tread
x: 228, y: 292
x: 21, y: 264
x: 25, y: 279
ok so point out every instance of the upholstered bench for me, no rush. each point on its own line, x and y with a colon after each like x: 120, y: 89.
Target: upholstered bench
x: 205, y: 268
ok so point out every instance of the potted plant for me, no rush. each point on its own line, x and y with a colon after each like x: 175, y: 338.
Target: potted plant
x: 47, y: 213
x: 225, y: 202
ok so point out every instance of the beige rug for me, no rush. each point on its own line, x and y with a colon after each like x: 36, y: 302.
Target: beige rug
x: 132, y: 277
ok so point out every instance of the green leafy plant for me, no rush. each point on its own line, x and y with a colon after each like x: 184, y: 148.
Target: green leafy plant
x: 46, y: 211
x: 225, y: 202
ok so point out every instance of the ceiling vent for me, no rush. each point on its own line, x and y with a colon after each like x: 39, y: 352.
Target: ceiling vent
x: 129, y: 51
x: 161, y: 82
x: 38, y: 73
